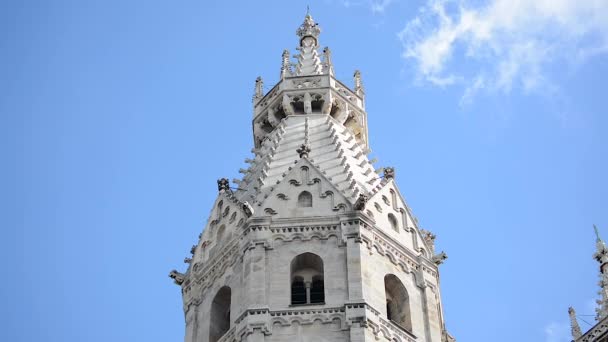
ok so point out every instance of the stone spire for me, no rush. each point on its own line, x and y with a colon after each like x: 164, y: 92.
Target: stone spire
x: 285, y: 65
x: 574, y: 327
x: 259, y: 89
x: 359, y: 90
x: 309, y: 62
x: 601, y: 256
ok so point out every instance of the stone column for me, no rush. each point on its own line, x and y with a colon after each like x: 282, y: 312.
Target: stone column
x: 308, y: 285
x: 254, y: 276
x: 192, y: 323
x: 353, y: 269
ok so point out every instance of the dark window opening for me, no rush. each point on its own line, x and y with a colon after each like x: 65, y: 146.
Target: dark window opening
x: 220, y: 314
x: 307, y: 285
x: 298, y: 291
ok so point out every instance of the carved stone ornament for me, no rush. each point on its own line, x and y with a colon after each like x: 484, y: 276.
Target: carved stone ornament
x: 389, y: 173
x: 308, y: 28
x: 177, y: 277
x: 438, y: 259
x: 360, y: 202
x: 429, y: 238
x: 223, y: 184
x: 304, y: 150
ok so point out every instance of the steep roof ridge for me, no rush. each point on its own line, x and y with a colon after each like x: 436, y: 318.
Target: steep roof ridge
x: 309, y: 62
x: 335, y: 152
x: 255, y: 175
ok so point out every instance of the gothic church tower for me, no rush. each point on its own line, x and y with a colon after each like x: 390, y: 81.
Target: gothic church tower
x: 313, y: 243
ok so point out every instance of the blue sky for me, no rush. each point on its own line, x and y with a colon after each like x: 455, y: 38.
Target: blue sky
x: 117, y: 117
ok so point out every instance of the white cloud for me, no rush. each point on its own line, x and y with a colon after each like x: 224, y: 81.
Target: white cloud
x: 503, y: 44
x: 378, y: 6
x: 557, y: 332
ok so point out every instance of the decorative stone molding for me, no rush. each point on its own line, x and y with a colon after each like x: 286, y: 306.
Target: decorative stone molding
x: 598, y: 330
x: 303, y: 150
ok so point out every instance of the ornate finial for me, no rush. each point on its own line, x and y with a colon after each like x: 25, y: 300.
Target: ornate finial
x: 389, y: 173
x: 223, y: 185
x: 601, y: 253
x: 303, y: 151
x: 285, y: 65
x: 429, y: 238
x: 308, y: 29
x: 327, y: 64
x: 601, y: 256
x: 358, y: 83
x: 574, y: 327
x: 259, y: 88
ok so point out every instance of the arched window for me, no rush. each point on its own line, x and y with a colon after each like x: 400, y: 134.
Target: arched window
x: 305, y: 199
x: 307, y: 286
x: 397, y: 302
x: 394, y: 197
x: 220, y: 314
x: 393, y: 221
x: 220, y: 234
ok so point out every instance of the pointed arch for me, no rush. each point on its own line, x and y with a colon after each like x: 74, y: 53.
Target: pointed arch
x: 219, y: 322
x: 397, y: 302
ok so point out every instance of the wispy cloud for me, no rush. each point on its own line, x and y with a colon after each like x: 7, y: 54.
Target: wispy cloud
x: 503, y: 44
x: 557, y: 332
x: 376, y: 6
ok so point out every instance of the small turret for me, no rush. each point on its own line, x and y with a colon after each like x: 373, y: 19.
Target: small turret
x: 285, y: 65
x: 259, y: 89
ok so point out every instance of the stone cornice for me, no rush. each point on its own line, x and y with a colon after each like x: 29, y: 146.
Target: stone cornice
x: 598, y: 330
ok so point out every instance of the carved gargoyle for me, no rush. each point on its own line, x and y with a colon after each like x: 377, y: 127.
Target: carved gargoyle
x: 438, y: 259
x: 187, y: 260
x: 177, y: 277
x: 248, y: 209
x: 360, y: 202
x: 389, y: 173
x: 223, y: 184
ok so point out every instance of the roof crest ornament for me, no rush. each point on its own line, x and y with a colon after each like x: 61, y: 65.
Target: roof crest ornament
x: 308, y: 28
